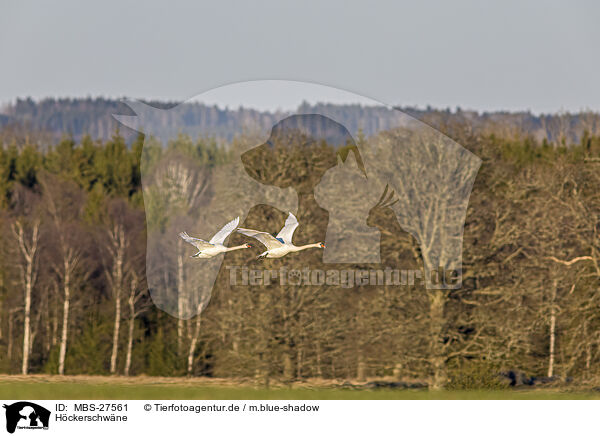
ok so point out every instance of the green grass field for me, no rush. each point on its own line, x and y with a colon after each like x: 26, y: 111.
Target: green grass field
x: 105, y: 388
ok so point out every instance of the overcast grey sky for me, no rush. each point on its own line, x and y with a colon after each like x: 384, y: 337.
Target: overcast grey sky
x: 514, y: 55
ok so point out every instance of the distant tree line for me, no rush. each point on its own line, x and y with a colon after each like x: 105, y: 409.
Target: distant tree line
x: 49, y: 119
x: 74, y: 300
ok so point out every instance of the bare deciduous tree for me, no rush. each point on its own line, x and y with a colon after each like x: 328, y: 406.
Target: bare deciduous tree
x: 137, y: 292
x: 64, y: 203
x: 28, y: 243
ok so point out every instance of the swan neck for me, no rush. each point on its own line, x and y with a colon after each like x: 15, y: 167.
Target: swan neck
x: 304, y: 247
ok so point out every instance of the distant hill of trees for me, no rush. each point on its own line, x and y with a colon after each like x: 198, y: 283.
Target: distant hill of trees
x: 50, y: 119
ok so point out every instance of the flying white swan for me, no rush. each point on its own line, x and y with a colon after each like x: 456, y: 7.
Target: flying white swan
x: 280, y: 245
x: 215, y: 245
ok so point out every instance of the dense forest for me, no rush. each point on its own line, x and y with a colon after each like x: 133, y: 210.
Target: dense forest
x: 49, y: 119
x: 74, y: 298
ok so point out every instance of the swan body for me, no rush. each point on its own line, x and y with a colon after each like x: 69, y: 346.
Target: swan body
x: 216, y: 244
x: 280, y: 245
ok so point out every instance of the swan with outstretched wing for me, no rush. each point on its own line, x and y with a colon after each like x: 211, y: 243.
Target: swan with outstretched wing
x: 216, y: 244
x: 280, y: 245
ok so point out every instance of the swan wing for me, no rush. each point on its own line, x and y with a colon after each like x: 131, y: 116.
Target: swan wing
x: 200, y: 244
x: 265, y: 238
x: 288, y: 229
x: 222, y: 234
